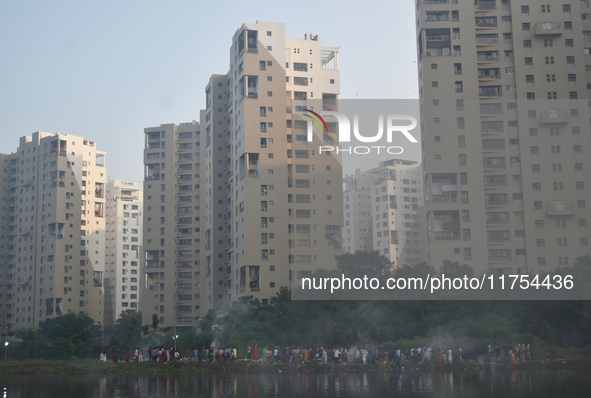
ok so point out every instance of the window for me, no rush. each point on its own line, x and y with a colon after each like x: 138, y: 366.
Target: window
x: 527, y: 44
x: 531, y: 96
x: 577, y: 149
x: 533, y: 131
x: 529, y: 60
x: 550, y: 77
x: 539, y: 223
x: 572, y: 77
x: 529, y: 79
x: 535, y: 168
x: 548, y: 43
x: 568, y: 25
x: 568, y: 42
x: 549, y: 60
x: 566, y: 8
x: 434, y: 84
x: 572, y: 95
x: 546, y: 8
x: 434, y: 66
x: 525, y: 26
x: 570, y: 59
x: 578, y: 166
x: 525, y: 9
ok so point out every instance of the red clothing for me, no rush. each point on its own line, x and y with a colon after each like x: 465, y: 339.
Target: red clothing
x: 256, y: 352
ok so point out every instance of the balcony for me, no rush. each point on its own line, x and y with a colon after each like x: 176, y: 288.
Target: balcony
x: 488, y: 57
x: 447, y: 235
x: 554, y: 117
x: 548, y: 29
x: 560, y: 208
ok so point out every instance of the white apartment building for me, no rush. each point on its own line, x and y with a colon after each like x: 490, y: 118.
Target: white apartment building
x: 504, y: 86
x: 124, y: 257
x: 381, y: 209
x: 273, y: 202
x: 53, y: 230
x: 171, y: 275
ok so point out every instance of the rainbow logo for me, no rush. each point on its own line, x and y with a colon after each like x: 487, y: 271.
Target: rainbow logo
x: 316, y: 121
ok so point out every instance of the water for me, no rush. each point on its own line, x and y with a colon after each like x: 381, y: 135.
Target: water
x: 439, y: 383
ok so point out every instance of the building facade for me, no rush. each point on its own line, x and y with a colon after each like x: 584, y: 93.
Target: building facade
x: 124, y: 259
x: 171, y: 225
x: 273, y: 201
x: 254, y: 206
x: 53, y: 230
x: 381, y: 211
x: 504, y: 86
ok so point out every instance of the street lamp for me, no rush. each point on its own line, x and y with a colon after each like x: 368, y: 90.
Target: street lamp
x: 5, y: 351
x: 175, y: 337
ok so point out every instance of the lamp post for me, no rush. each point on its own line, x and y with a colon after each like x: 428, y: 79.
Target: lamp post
x: 175, y: 337
x: 5, y: 351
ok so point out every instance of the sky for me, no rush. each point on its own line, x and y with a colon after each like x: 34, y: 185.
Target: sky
x: 107, y: 69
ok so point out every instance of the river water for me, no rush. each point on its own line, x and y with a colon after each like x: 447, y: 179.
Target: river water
x: 438, y: 383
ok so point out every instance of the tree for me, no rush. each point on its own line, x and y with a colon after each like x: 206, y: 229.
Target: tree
x: 127, y: 328
x: 207, y: 322
x: 33, y: 342
x: 456, y: 270
x: 155, y: 322
x: 72, y: 334
x: 361, y: 263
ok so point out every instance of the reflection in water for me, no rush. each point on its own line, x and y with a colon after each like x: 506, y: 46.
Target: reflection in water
x: 334, y: 383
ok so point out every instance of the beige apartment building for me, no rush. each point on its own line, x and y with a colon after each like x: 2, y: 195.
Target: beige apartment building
x: 124, y: 258
x: 381, y: 211
x: 273, y: 203
x: 242, y: 204
x: 506, y: 135
x: 53, y: 230
x: 171, y: 225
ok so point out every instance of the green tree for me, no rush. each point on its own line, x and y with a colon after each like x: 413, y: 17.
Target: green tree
x: 72, y: 334
x: 155, y: 322
x: 127, y: 328
x: 361, y: 263
x: 33, y: 342
x: 456, y: 270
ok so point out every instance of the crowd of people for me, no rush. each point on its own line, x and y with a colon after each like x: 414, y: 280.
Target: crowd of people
x: 511, y: 353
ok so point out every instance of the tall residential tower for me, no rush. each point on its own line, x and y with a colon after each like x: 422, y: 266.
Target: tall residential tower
x: 506, y: 135
x: 53, y: 230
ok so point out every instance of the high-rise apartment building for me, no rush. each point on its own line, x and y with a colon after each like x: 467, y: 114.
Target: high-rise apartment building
x: 381, y: 211
x: 123, y: 261
x: 243, y: 204
x: 504, y: 86
x: 53, y: 230
x: 171, y: 225
x: 273, y: 203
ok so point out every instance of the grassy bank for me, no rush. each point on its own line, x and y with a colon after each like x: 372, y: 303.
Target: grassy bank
x: 89, y: 367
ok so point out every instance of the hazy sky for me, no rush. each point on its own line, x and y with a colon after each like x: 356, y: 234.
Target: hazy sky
x: 106, y: 69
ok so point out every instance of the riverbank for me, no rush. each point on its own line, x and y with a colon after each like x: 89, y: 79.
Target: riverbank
x: 83, y: 367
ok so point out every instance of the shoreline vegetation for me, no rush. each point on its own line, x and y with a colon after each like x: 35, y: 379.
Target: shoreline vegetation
x: 146, y: 369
